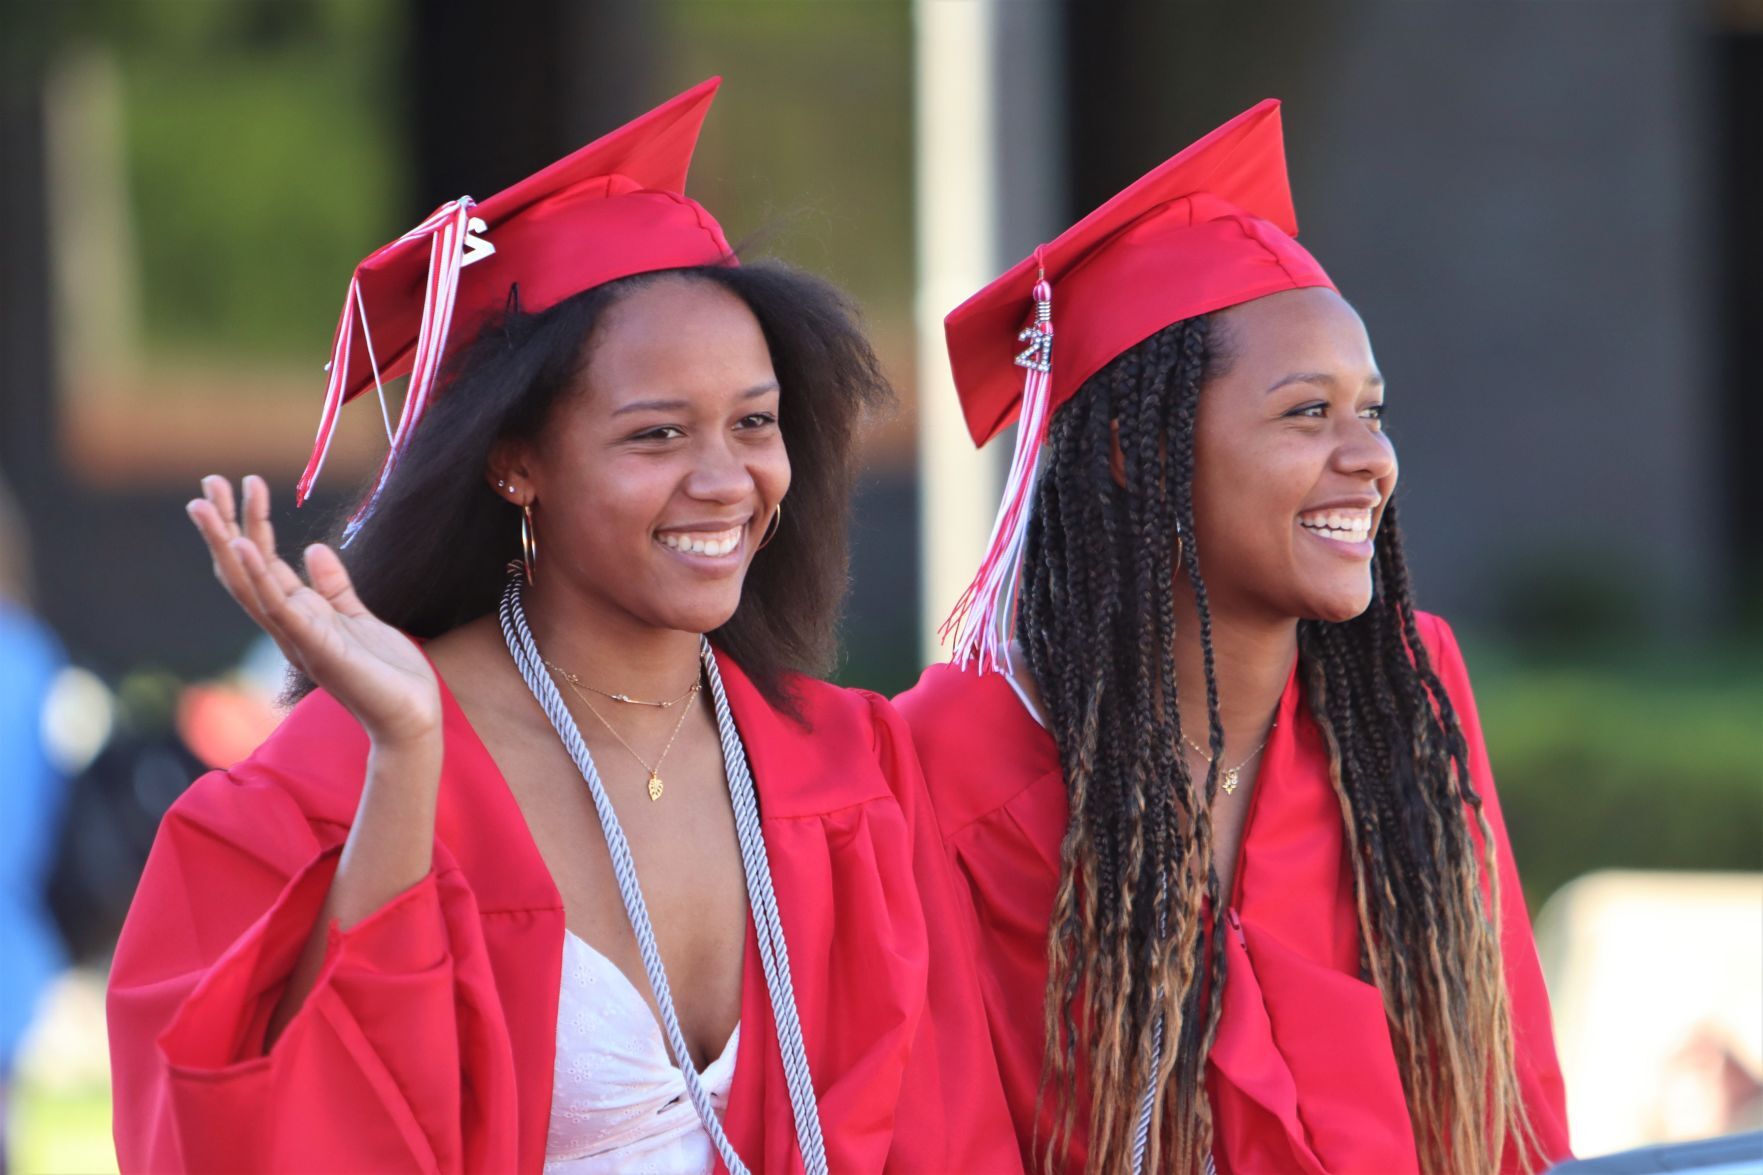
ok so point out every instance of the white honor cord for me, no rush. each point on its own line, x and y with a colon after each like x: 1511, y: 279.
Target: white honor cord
x: 762, y: 898
x: 774, y: 955
x: 1142, y: 1136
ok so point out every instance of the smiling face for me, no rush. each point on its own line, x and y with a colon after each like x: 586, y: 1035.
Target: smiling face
x: 1291, y: 465
x: 654, y: 479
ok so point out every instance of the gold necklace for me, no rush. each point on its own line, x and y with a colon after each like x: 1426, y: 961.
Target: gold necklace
x: 654, y: 769
x: 573, y: 680
x: 1233, y: 775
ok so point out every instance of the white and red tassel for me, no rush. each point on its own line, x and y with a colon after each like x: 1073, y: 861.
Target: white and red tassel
x: 980, y: 627
x: 445, y: 230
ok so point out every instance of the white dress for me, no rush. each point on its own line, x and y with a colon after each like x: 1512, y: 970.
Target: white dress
x: 619, y: 1104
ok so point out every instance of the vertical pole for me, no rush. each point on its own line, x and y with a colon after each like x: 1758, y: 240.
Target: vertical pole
x: 955, y: 129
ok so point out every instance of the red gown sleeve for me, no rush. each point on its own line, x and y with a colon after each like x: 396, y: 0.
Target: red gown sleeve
x: 394, y: 1061
x: 1539, y: 1072
x: 952, y: 1115
x: 994, y: 783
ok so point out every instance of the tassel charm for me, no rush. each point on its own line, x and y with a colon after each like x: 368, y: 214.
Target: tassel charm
x: 1039, y: 337
x: 983, y: 619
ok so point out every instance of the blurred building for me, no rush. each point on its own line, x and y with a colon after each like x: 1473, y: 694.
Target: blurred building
x: 1544, y: 212
x: 1546, y: 215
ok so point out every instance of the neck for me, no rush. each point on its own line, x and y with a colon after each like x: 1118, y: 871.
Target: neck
x: 1251, y: 661
x: 609, y: 649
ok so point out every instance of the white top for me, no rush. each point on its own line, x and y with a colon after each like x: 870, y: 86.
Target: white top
x: 618, y: 1103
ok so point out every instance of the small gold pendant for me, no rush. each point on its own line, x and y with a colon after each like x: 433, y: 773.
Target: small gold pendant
x: 1230, y: 781
x: 654, y: 787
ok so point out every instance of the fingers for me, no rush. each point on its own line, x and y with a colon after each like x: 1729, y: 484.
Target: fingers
x: 227, y: 567
x: 256, y: 526
x: 216, y: 518
x: 219, y: 492
x: 330, y: 579
x: 255, y: 523
x: 273, y: 610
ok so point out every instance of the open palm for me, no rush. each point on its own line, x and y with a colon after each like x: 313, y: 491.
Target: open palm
x: 322, y: 627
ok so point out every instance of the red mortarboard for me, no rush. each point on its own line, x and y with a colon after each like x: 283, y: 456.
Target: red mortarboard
x: 1211, y: 227
x: 612, y: 209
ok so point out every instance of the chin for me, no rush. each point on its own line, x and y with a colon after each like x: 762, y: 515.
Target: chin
x: 695, y: 616
x: 1345, y: 602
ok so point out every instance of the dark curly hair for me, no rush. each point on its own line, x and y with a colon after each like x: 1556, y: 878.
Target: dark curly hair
x: 432, y: 554
x: 1128, y: 953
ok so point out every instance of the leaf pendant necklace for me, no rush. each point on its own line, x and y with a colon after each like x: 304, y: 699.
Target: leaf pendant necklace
x: 656, y: 787
x: 1230, y: 777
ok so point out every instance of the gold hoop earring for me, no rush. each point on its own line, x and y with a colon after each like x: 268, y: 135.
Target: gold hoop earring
x: 777, y: 519
x: 529, y: 542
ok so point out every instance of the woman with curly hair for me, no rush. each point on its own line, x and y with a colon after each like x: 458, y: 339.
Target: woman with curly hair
x: 563, y: 860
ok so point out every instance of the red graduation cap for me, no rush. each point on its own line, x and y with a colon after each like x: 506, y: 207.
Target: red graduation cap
x: 1209, y: 228
x: 614, y: 208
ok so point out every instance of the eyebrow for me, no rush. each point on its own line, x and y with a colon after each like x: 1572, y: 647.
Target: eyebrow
x: 1324, y: 378
x: 752, y: 393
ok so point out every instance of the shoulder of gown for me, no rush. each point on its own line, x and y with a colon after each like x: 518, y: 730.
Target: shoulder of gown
x: 899, y: 1051
x: 316, y: 757
x: 839, y: 748
x: 979, y: 746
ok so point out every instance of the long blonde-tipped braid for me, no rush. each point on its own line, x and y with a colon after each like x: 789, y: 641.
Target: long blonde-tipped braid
x: 1085, y: 634
x: 1112, y: 975
x: 1441, y: 974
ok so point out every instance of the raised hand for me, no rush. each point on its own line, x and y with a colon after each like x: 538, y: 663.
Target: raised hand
x: 322, y: 627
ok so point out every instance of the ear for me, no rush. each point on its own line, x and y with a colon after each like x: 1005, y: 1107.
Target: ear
x: 1116, y: 458
x: 508, y: 472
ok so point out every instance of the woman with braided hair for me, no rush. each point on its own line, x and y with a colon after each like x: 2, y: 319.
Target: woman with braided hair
x: 1222, y: 808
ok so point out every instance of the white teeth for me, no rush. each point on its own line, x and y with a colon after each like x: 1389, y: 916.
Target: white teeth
x: 1347, y: 526
x: 715, y: 545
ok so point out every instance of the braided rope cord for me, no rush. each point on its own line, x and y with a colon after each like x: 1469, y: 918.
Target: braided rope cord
x: 1142, y: 1136
x: 774, y: 955
x: 761, y: 896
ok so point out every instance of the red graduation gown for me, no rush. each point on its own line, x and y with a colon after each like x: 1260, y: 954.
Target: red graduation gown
x: 429, y: 1040
x: 1303, y: 1074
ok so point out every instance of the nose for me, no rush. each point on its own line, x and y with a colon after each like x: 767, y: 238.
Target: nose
x: 1364, y: 452
x: 719, y: 474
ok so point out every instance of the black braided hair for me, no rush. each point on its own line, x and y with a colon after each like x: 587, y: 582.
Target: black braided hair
x: 1126, y: 946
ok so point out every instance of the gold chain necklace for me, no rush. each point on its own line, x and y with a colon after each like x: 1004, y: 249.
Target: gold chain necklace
x: 580, y: 685
x: 1233, y: 775
x: 654, y: 769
